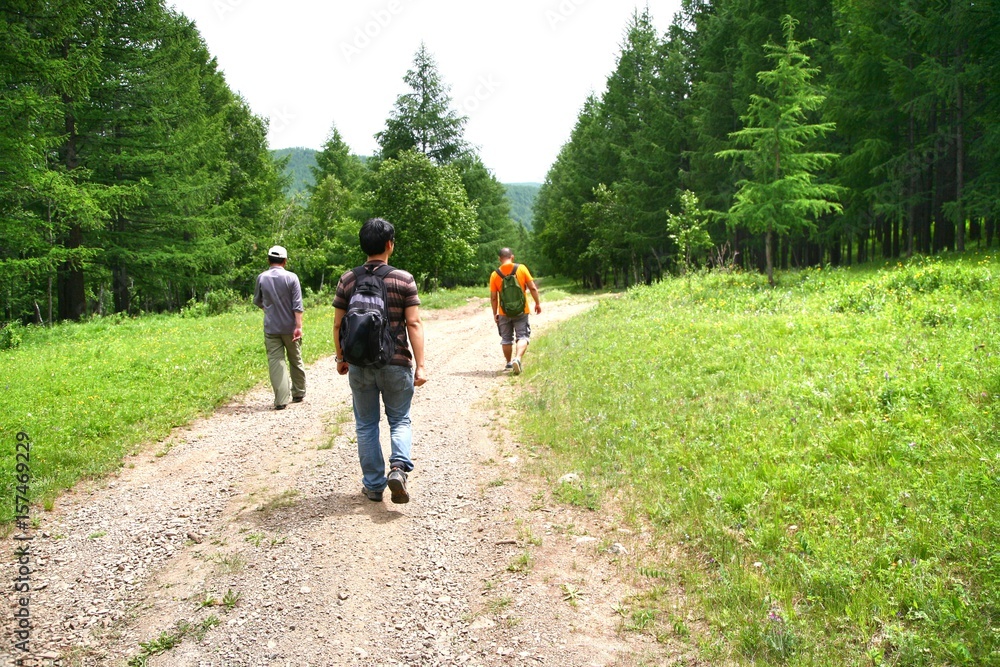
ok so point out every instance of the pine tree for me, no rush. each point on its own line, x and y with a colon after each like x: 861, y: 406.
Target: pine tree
x: 336, y: 159
x: 581, y: 166
x: 48, y: 61
x: 423, y: 119
x: 781, y: 194
x: 639, y: 122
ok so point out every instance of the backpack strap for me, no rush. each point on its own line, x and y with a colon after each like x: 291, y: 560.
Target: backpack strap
x: 502, y: 275
x: 383, y: 271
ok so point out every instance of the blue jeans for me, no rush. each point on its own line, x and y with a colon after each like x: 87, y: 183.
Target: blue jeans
x: 395, y: 384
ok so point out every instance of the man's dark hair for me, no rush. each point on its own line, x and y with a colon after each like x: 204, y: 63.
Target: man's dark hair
x: 375, y: 234
x: 505, y: 253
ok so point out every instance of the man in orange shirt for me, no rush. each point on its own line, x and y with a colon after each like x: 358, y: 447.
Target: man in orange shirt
x: 512, y: 325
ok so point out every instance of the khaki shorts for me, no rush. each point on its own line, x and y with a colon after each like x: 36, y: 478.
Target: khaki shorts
x: 511, y: 326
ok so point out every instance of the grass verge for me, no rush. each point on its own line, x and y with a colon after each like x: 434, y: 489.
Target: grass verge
x: 87, y: 394
x: 826, y: 453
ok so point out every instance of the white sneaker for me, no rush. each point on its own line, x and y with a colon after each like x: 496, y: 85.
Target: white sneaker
x: 516, y: 365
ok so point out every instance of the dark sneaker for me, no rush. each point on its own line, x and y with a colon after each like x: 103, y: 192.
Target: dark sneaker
x: 374, y: 496
x: 279, y: 407
x: 516, y: 363
x: 397, y: 485
x: 509, y: 366
x: 297, y: 399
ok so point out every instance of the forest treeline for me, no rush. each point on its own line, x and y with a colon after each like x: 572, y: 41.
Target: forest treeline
x: 762, y: 135
x: 842, y: 131
x: 133, y: 179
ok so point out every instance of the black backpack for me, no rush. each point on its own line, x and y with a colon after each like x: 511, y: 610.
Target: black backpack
x: 366, y: 335
x: 512, y: 297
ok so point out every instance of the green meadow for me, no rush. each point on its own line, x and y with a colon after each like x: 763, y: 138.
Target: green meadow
x: 819, y: 461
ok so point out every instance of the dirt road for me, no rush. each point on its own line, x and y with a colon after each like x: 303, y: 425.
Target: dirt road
x: 244, y: 540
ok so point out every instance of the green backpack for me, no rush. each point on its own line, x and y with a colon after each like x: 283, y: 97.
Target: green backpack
x: 512, y: 298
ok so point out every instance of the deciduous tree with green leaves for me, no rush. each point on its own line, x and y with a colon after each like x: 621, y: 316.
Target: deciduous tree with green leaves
x: 687, y: 230
x: 496, y: 228
x: 782, y: 194
x: 435, y: 223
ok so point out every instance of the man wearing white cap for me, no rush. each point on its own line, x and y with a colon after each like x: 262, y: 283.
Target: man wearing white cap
x: 279, y: 294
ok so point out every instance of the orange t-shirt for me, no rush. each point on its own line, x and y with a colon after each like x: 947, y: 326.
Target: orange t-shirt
x: 523, y: 278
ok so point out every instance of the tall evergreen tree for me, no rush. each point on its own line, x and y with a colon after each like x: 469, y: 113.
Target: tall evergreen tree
x: 336, y: 159
x: 781, y: 194
x: 49, y: 60
x: 423, y: 119
x: 582, y: 165
x: 138, y: 172
x: 639, y: 120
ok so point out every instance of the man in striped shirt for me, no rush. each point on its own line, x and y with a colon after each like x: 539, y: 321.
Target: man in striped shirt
x: 395, y: 382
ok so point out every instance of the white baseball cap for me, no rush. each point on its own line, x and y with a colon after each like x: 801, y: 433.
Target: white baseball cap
x: 277, y: 252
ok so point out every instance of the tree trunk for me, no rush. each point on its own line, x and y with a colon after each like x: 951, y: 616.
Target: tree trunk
x: 70, y: 289
x: 914, y: 185
x: 886, y: 225
x: 72, y: 295
x: 897, y: 234
x: 769, y: 260
x: 959, y: 161
x: 911, y: 219
x: 120, y: 277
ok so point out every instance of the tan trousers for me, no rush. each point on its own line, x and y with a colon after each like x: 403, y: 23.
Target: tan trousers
x: 277, y: 345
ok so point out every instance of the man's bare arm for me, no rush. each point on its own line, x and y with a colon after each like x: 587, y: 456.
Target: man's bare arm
x: 415, y: 331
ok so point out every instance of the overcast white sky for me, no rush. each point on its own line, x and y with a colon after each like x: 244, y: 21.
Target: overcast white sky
x: 519, y: 69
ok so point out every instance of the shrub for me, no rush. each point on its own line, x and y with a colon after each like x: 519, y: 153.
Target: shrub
x: 223, y: 300
x: 324, y: 297
x: 195, y: 308
x: 216, y: 302
x: 11, y: 335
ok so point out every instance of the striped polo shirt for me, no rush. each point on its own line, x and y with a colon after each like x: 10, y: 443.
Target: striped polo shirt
x: 401, y: 290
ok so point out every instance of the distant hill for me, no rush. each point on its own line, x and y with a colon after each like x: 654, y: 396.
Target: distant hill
x: 522, y: 200
x: 520, y: 195
x: 299, y: 162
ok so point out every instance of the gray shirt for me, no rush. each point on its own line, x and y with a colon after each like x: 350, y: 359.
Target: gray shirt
x: 279, y: 294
